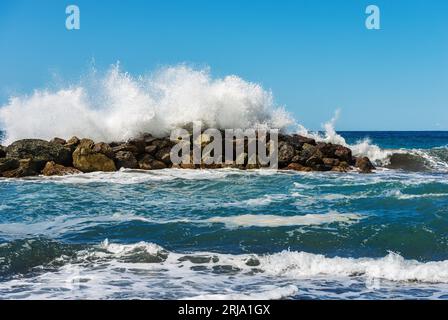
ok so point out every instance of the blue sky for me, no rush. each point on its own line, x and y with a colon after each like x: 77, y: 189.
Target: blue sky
x: 316, y: 56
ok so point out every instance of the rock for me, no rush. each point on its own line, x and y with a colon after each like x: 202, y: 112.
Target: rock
x: 342, y: 167
x: 364, y: 165
x: 104, y: 148
x: 145, y: 162
x: 139, y: 144
x: 7, y: 164
x: 72, y: 143
x: 150, y: 149
x: 164, y: 155
x: 325, y: 150
x: 307, y: 152
x: 295, y: 140
x: 2, y: 152
x: 58, y: 141
x: 126, y: 147
x: 147, y: 138
x: 408, y: 162
x: 298, y: 167
x: 126, y: 159
x: 53, y: 169
x: 87, y: 160
x: 40, y: 151
x: 314, y: 161
x: 162, y: 143
x: 27, y: 168
x: 331, y: 162
x: 157, y: 165
x: 285, y: 153
x: 343, y: 154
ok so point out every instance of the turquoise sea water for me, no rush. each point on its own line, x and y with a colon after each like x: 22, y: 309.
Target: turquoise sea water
x: 233, y: 234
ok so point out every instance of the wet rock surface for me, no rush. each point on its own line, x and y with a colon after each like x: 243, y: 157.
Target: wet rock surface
x: 60, y: 157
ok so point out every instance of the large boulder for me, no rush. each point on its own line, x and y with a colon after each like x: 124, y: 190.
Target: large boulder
x: 54, y: 169
x: 104, y: 148
x: 343, y: 154
x: 164, y: 155
x: 126, y: 159
x: 40, y: 151
x: 364, y: 165
x: 285, y: 153
x: 295, y: 140
x: 27, y: 167
x: 88, y: 160
x: 72, y: 143
x: 145, y: 162
x: 7, y: 164
x: 126, y: 147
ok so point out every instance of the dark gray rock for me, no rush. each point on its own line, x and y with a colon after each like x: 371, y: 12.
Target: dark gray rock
x: 2, y: 152
x: 7, y: 164
x: 27, y: 168
x: 145, y: 162
x: 164, y: 155
x: 40, y: 151
x: 125, y: 159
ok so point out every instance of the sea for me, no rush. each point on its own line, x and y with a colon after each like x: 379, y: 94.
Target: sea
x: 231, y: 234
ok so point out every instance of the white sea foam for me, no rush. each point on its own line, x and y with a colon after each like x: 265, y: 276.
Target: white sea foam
x: 266, y: 220
x: 118, y: 106
x: 361, y: 148
x: 114, y: 271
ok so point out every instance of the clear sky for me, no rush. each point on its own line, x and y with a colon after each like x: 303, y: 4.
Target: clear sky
x: 316, y: 56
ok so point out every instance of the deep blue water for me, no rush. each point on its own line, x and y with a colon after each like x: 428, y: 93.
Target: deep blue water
x: 233, y: 234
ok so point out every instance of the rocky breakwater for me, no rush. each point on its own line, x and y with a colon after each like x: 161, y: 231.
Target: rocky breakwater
x: 31, y: 157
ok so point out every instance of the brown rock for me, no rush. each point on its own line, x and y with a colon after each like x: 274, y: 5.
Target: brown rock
x: 343, y: 154
x: 53, y: 169
x: 126, y: 159
x: 139, y: 144
x: 87, y: 160
x: 364, y: 165
x: 58, y: 141
x: 298, y: 167
x: 285, y: 153
x: 7, y: 164
x: 27, y: 168
x: 331, y: 162
x: 157, y: 165
x: 164, y: 155
x: 150, y: 149
x: 72, y: 143
x: 126, y: 147
x: 145, y: 162
x: 104, y: 148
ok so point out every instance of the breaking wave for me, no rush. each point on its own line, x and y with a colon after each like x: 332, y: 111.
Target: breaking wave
x: 117, y: 106
x: 147, y: 270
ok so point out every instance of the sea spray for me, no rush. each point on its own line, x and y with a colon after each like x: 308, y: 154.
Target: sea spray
x: 117, y: 106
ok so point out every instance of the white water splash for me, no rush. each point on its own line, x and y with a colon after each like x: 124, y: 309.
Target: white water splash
x: 118, y: 106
